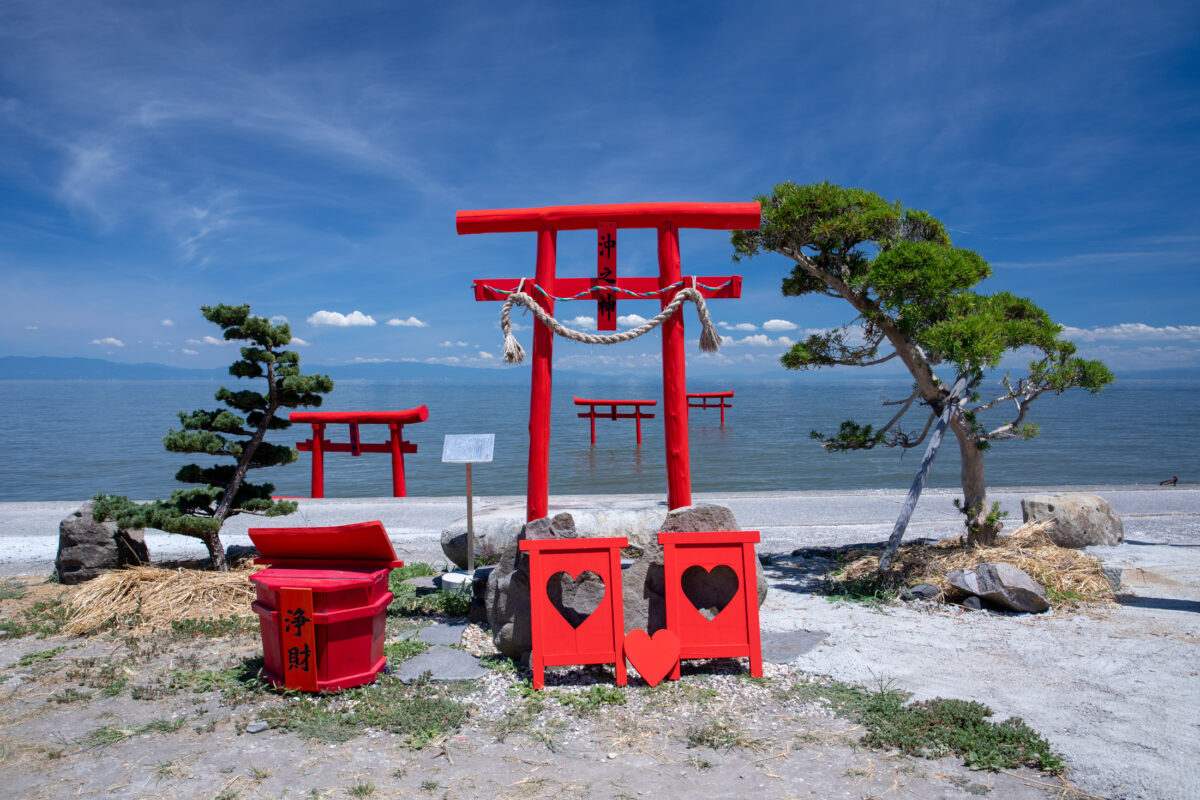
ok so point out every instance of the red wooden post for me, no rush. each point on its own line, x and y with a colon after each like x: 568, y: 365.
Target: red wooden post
x: 537, y: 502
x: 318, y: 460
x: 592, y: 419
x: 398, y: 487
x: 675, y: 413
x: 637, y: 415
x: 722, y: 412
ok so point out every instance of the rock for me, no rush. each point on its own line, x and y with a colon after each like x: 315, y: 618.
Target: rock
x: 1081, y: 520
x: 644, y: 606
x: 973, y: 603
x: 257, y: 727
x: 498, y: 526
x: 1003, y: 585
x: 236, y: 553
x: 442, y: 664
x: 922, y: 591
x: 442, y: 633
x: 784, y: 647
x: 1112, y: 575
x: 506, y: 598
x: 86, y: 547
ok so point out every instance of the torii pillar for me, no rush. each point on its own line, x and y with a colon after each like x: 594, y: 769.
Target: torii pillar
x: 606, y: 287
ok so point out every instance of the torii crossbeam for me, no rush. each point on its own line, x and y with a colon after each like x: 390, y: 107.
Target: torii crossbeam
x: 606, y: 288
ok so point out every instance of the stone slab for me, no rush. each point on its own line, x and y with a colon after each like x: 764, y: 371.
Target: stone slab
x: 443, y: 664
x: 784, y: 647
x: 442, y: 633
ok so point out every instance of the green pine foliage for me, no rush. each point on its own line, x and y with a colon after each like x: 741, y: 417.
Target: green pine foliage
x: 219, y: 491
x: 914, y: 298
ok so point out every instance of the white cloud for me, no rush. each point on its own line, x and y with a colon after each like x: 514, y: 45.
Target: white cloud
x: 1133, y: 331
x: 297, y: 340
x: 449, y: 343
x: 187, y: 352
x: 582, y: 322
x: 108, y: 341
x: 279, y: 319
x: 361, y: 360
x: 758, y: 340
x: 411, y: 322
x: 206, y: 340
x: 31, y: 327
x: 631, y: 320
x: 166, y: 323
x: 484, y: 354
x: 779, y: 325
x: 337, y: 319
x: 741, y: 326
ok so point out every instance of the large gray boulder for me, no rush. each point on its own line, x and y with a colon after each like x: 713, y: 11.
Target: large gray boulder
x: 1080, y: 520
x: 1003, y: 585
x: 498, y: 526
x: 507, y: 594
x: 87, y: 548
x: 506, y: 598
x: 644, y: 586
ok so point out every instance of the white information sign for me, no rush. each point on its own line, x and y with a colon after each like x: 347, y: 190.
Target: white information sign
x: 468, y: 448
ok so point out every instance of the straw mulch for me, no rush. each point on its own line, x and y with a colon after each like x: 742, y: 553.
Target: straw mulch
x: 152, y: 598
x: 1072, y: 579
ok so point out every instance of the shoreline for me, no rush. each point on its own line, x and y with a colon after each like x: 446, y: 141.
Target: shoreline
x: 786, y: 519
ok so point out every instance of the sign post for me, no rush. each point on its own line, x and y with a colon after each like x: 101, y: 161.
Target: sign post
x: 468, y: 449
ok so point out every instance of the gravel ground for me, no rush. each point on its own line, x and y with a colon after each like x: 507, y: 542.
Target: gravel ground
x: 1116, y: 692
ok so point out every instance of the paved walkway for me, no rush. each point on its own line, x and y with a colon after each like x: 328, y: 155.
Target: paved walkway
x: 787, y: 520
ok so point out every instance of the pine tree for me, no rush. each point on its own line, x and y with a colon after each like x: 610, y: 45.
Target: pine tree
x: 236, y: 432
x: 913, y: 294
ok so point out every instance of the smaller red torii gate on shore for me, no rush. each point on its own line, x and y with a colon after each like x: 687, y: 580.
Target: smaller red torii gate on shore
x: 318, y: 445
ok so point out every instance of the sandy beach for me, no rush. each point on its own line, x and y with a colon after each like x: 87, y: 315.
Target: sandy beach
x: 1116, y: 691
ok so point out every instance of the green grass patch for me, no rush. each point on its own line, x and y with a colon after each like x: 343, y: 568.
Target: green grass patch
x: 43, y: 618
x: 111, y: 734
x: 592, y: 699
x: 938, y: 727
x: 11, y: 589
x: 420, y: 712
x: 408, y: 603
x: 39, y: 657
x: 239, y: 684
x: 213, y: 627
x: 107, y: 676
x: 720, y: 734
x: 69, y: 695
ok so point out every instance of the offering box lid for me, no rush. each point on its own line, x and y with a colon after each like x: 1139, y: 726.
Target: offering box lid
x: 360, y: 544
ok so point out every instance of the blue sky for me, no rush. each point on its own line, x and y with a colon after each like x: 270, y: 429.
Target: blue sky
x: 309, y: 158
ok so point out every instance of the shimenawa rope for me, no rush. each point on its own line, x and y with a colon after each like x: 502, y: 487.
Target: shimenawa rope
x: 710, y: 340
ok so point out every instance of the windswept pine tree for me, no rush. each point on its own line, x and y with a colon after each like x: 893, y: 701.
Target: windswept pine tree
x: 236, y: 432
x: 913, y: 296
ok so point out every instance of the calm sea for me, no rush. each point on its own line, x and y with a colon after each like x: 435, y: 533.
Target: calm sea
x: 65, y: 440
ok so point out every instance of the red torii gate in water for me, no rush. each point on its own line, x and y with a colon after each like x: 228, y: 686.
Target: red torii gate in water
x: 667, y: 218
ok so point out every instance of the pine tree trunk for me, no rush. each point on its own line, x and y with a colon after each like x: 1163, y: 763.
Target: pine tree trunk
x: 216, y: 551
x: 974, y: 487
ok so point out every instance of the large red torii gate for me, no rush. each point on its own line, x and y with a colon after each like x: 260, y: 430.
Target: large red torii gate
x: 667, y: 218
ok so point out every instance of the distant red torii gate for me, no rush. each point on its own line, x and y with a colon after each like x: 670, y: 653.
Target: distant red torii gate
x: 667, y: 219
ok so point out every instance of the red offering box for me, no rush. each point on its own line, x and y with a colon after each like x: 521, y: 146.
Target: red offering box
x: 322, y: 605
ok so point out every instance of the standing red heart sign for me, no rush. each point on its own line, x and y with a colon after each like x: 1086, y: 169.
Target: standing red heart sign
x: 652, y: 656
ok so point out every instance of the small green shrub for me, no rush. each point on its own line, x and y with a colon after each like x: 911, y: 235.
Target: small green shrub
x: 213, y: 627
x: 592, y: 699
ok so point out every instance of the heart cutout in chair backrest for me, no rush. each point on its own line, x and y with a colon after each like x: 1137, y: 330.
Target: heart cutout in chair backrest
x: 709, y: 591
x: 575, y: 598
x: 652, y: 656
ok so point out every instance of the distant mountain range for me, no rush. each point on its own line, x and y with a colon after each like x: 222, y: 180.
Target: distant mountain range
x: 52, y: 368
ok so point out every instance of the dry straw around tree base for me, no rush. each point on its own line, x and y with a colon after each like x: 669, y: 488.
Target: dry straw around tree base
x: 153, y: 598
x: 1072, y: 579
